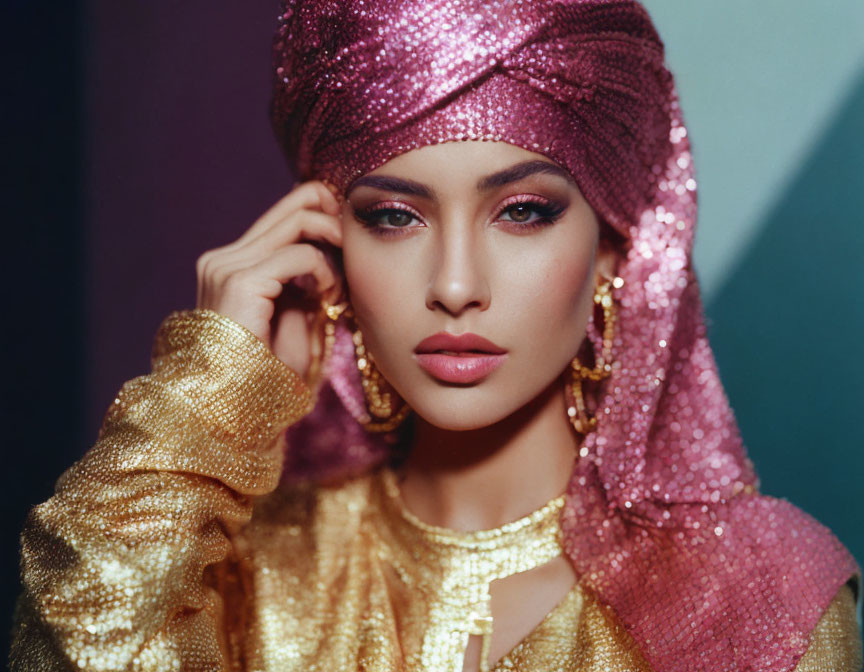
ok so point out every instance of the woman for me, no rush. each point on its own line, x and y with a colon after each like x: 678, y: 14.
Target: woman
x: 520, y: 454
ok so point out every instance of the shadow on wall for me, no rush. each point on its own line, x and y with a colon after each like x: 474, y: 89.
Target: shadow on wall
x: 787, y: 330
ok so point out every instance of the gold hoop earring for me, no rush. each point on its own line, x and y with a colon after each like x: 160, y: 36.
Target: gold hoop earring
x: 379, y: 404
x: 577, y: 412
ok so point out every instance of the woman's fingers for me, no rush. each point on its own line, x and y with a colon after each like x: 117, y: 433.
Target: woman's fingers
x: 308, y: 225
x: 246, y: 280
x: 296, y: 227
x: 308, y: 196
x: 294, y: 261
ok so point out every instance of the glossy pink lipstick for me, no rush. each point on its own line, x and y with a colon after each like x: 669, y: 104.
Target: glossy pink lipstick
x: 465, y: 358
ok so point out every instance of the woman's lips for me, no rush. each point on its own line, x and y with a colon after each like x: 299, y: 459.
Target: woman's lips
x: 459, y: 358
x: 462, y: 367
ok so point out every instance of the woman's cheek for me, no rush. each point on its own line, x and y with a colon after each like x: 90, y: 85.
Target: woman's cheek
x: 367, y: 271
x: 554, y: 291
x: 385, y: 297
x: 386, y: 282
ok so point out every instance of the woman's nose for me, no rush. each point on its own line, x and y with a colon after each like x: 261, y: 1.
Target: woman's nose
x: 459, y: 280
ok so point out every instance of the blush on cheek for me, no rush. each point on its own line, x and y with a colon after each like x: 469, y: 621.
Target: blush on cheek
x: 384, y: 296
x: 566, y: 281
x: 563, y: 303
x: 366, y: 275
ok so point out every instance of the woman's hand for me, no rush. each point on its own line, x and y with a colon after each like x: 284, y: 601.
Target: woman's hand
x: 246, y: 280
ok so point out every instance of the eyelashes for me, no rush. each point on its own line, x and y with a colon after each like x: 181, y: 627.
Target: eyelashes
x: 376, y: 217
x: 526, y: 213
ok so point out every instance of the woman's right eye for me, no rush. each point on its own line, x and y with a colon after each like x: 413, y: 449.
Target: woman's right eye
x: 385, y: 218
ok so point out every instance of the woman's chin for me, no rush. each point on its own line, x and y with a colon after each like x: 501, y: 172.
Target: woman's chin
x: 464, y: 418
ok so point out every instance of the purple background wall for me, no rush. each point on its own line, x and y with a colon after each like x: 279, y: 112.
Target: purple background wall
x: 180, y: 158
x: 136, y: 137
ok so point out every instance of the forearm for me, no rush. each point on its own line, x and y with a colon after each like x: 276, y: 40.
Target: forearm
x: 113, y: 563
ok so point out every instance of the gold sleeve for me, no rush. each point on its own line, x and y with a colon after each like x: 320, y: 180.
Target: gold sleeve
x: 836, y: 645
x: 112, y: 564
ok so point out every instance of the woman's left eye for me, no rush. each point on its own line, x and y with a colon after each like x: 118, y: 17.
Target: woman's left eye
x: 522, y: 211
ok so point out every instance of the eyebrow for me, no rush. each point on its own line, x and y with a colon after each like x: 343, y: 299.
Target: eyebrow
x: 514, y: 173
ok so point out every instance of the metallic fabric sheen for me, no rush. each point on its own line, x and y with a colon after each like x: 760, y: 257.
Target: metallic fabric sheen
x: 448, y: 590
x: 170, y: 546
x: 663, y: 521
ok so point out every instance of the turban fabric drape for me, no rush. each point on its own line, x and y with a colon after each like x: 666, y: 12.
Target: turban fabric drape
x: 663, y: 520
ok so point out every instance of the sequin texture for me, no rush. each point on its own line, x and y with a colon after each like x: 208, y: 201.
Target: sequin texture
x: 449, y: 588
x: 170, y: 547
x: 151, y: 556
x: 664, y: 521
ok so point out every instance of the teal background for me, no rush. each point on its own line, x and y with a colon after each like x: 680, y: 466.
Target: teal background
x: 773, y: 94
x: 136, y: 136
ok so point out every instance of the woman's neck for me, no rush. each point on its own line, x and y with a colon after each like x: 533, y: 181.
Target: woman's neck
x: 483, y: 478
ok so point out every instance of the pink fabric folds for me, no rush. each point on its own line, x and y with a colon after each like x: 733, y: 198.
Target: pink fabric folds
x: 663, y: 522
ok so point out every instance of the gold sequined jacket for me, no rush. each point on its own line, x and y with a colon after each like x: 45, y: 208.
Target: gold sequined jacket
x: 171, y: 546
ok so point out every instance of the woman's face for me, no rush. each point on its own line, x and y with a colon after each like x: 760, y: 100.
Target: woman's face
x: 471, y: 237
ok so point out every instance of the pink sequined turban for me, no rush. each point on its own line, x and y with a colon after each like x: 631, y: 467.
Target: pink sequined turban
x: 663, y: 521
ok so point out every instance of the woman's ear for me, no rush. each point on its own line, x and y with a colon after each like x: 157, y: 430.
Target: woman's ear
x: 606, y: 261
